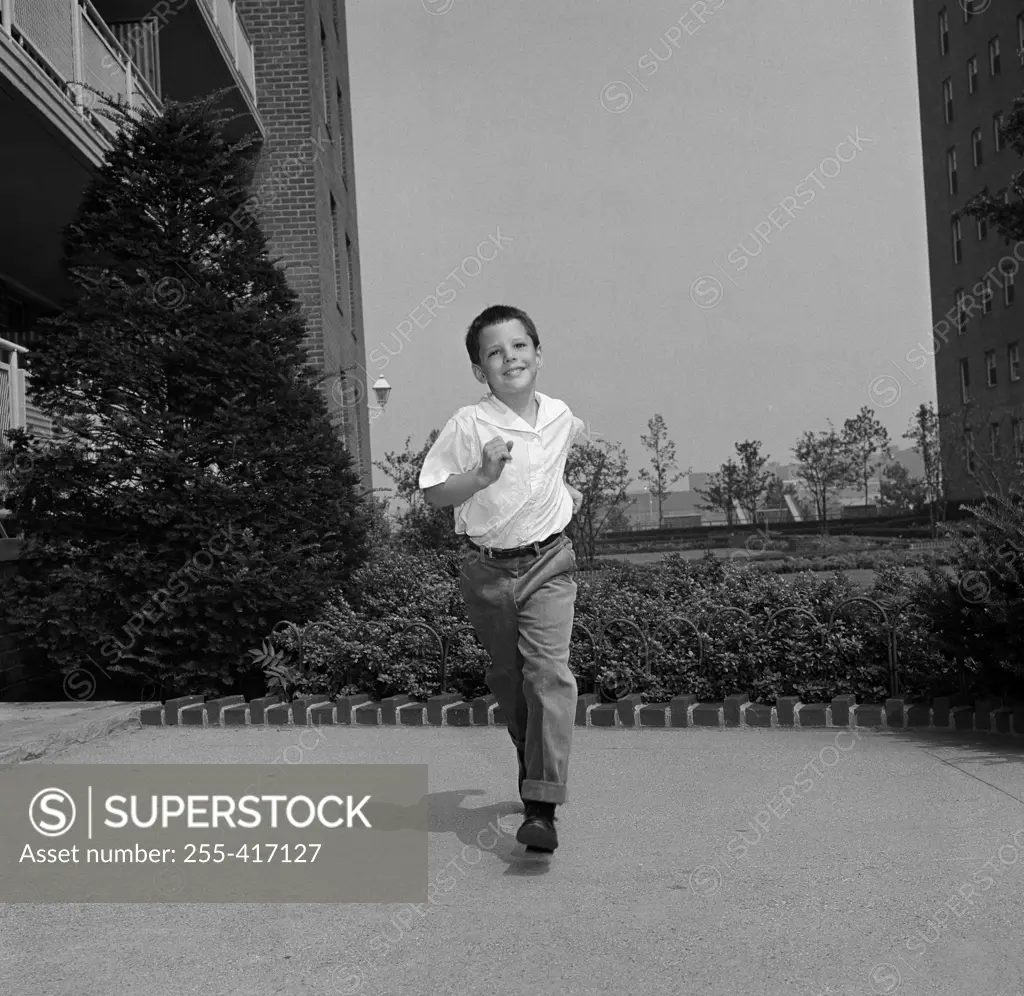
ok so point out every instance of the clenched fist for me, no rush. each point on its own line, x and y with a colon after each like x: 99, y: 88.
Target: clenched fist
x: 496, y: 455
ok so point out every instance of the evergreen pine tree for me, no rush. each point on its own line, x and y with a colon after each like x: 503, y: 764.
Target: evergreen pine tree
x: 197, y: 493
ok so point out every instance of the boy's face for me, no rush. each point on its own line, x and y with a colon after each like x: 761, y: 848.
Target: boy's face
x: 508, y: 360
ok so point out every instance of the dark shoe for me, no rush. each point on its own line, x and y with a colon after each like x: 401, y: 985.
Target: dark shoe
x: 538, y: 829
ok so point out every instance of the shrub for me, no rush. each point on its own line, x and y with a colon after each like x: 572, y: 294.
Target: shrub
x: 636, y: 613
x: 362, y: 643
x: 742, y: 652
x: 978, y: 616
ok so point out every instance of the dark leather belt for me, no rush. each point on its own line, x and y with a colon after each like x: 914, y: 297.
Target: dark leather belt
x: 519, y: 551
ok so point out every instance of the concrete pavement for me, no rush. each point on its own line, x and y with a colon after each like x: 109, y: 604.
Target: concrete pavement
x: 34, y: 729
x: 693, y: 861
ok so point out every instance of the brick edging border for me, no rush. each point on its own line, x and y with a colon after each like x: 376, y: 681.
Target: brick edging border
x: 959, y: 713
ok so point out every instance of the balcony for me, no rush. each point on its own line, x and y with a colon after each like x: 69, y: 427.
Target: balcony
x: 187, y: 49
x: 66, y: 43
x: 54, y: 132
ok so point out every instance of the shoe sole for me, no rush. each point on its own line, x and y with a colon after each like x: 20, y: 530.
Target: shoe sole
x: 538, y: 838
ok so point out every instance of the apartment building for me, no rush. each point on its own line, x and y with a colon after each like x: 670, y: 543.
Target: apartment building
x: 970, y: 60
x: 286, y: 63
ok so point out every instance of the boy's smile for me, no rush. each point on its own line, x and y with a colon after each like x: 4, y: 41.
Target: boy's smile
x: 509, y: 363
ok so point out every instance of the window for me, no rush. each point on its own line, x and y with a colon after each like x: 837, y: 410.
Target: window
x: 357, y: 449
x: 993, y: 56
x: 993, y: 437
x: 943, y: 32
x: 1020, y: 38
x: 969, y: 450
x: 986, y: 296
x: 951, y: 170
x: 325, y: 63
x: 334, y: 248
x: 976, y: 146
x: 972, y: 74
x: 947, y: 99
x: 342, y: 408
x: 997, y: 131
x: 982, y: 229
x: 1018, y: 438
x: 965, y: 382
x: 350, y: 262
x: 957, y: 240
x: 1008, y: 288
x: 990, y: 368
x: 342, y: 138
x: 961, y: 318
x: 1013, y: 360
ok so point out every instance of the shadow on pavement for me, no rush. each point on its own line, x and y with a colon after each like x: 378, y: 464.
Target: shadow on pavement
x: 483, y: 830
x: 985, y: 748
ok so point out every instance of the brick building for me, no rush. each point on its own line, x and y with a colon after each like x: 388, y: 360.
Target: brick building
x: 309, y: 213
x: 970, y: 68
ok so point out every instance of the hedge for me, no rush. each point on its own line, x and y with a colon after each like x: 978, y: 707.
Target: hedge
x: 359, y: 646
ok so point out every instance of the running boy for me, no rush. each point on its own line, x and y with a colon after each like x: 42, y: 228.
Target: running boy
x: 501, y: 463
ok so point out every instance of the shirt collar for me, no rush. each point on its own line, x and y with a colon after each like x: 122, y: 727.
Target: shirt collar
x: 490, y: 409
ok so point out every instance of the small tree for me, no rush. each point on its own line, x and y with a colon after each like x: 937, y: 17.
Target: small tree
x: 197, y: 494
x: 421, y: 527
x: 600, y: 472
x: 901, y: 491
x: 924, y: 434
x: 776, y: 490
x: 723, y: 489
x: 404, y: 468
x: 616, y: 521
x: 663, y: 460
x: 753, y: 479
x: 865, y: 437
x: 825, y: 465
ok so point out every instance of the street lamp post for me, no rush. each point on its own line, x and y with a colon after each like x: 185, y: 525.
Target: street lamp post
x: 380, y: 387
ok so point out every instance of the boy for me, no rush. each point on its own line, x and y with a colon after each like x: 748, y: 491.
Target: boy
x: 501, y: 463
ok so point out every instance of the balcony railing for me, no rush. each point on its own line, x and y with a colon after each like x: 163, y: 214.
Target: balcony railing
x: 232, y: 30
x: 12, y: 403
x: 72, y: 44
x: 12, y: 389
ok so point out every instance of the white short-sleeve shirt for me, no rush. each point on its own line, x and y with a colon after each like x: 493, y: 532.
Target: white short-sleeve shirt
x: 530, y: 501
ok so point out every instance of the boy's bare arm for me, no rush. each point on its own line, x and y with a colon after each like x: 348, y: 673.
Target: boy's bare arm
x: 460, y: 487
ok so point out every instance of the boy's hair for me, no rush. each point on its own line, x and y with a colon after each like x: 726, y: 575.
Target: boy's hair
x: 495, y: 315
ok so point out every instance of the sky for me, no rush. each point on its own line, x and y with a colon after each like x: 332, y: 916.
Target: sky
x: 712, y: 212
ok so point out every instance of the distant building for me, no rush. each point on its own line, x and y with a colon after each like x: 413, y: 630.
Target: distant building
x: 970, y: 68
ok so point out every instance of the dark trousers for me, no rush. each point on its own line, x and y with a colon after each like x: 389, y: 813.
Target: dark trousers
x: 522, y: 611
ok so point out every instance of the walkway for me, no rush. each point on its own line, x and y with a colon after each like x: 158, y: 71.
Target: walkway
x: 653, y: 891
